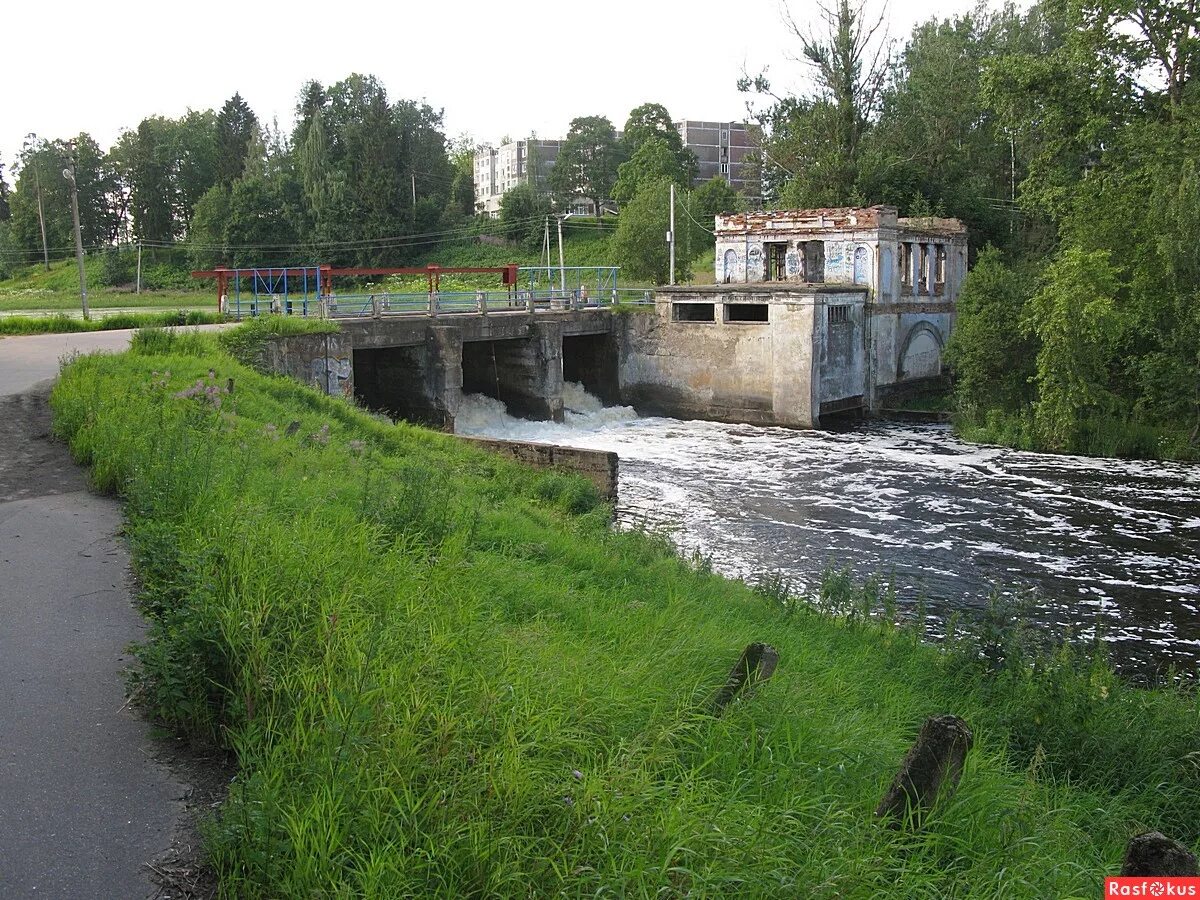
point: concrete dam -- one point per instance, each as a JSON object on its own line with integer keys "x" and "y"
{"x": 817, "y": 312}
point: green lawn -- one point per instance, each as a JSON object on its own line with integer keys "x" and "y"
{"x": 443, "y": 674}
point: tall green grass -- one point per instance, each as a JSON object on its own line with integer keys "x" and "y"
{"x": 59, "y": 323}
{"x": 444, "y": 674}
{"x": 1124, "y": 438}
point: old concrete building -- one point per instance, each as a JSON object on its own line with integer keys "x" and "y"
{"x": 815, "y": 312}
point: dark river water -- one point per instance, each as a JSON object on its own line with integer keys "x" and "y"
{"x": 1112, "y": 544}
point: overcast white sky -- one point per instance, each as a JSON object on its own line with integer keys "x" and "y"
{"x": 495, "y": 68}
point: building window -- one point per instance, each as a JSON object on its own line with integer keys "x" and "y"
{"x": 746, "y": 312}
{"x": 906, "y": 264}
{"x": 939, "y": 268}
{"x": 838, "y": 315}
{"x": 694, "y": 312}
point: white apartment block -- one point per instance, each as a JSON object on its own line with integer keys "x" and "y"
{"x": 500, "y": 169}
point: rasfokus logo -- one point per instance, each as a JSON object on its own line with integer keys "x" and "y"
{"x": 1151, "y": 886}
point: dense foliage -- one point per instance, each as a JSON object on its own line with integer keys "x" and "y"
{"x": 1066, "y": 136}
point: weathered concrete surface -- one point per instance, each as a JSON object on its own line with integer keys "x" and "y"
{"x": 85, "y": 804}
{"x": 598, "y": 466}
{"x": 931, "y": 769}
{"x": 322, "y": 361}
{"x": 410, "y": 331}
{"x": 779, "y": 371}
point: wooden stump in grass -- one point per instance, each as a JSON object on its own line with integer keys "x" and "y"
{"x": 930, "y": 769}
{"x": 756, "y": 664}
{"x": 1153, "y": 853}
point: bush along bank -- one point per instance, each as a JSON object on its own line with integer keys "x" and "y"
{"x": 444, "y": 674}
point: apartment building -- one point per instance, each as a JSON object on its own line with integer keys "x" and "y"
{"x": 499, "y": 169}
{"x": 722, "y": 149}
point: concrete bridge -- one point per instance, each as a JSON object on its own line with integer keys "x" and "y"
{"x": 418, "y": 367}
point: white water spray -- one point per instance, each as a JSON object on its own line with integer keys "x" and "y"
{"x": 483, "y": 416}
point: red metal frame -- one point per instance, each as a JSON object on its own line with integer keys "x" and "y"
{"x": 507, "y": 273}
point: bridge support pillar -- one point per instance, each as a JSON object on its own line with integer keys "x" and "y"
{"x": 444, "y": 375}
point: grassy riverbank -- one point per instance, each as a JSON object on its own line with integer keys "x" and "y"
{"x": 443, "y": 674}
{"x": 61, "y": 324}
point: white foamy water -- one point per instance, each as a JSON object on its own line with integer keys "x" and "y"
{"x": 1112, "y": 544}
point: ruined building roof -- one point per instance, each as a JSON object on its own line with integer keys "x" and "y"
{"x": 833, "y": 219}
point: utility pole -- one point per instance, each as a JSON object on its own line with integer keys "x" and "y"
{"x": 31, "y": 141}
{"x": 562, "y": 271}
{"x": 69, "y": 174}
{"x": 138, "y": 289}
{"x": 414, "y": 191}
{"x": 671, "y": 237}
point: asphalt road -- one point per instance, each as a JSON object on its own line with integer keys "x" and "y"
{"x": 84, "y": 803}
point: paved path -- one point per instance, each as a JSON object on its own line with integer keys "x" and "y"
{"x": 84, "y": 805}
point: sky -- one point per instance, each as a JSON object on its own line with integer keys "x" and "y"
{"x": 495, "y": 68}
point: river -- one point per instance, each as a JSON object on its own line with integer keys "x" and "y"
{"x": 1102, "y": 543}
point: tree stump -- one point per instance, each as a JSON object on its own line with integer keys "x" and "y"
{"x": 756, "y": 664}
{"x": 1153, "y": 853}
{"x": 931, "y": 768}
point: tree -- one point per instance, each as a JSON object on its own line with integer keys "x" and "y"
{"x": 639, "y": 243}
{"x": 5, "y": 212}
{"x": 936, "y": 143}
{"x": 461, "y": 152}
{"x": 652, "y": 161}
{"x": 42, "y": 165}
{"x": 697, "y": 216}
{"x": 1074, "y": 317}
{"x": 587, "y": 161}
{"x": 991, "y": 350}
{"x": 523, "y": 213}
{"x": 235, "y": 126}
{"x": 651, "y": 120}
{"x": 10, "y": 254}
{"x": 815, "y": 141}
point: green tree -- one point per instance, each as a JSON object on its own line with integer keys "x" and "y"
{"x": 10, "y": 254}
{"x": 1075, "y": 320}
{"x": 697, "y": 214}
{"x": 5, "y": 212}
{"x": 43, "y": 164}
{"x": 812, "y": 144}
{"x": 523, "y": 213}
{"x": 651, "y": 120}
{"x": 587, "y": 161}
{"x": 652, "y": 161}
{"x": 235, "y": 126}
{"x": 991, "y": 351}
{"x": 639, "y": 243}
{"x": 937, "y": 144}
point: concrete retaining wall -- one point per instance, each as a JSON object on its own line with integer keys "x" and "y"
{"x": 322, "y": 361}
{"x": 598, "y": 466}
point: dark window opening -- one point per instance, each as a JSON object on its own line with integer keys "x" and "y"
{"x": 814, "y": 261}
{"x": 694, "y": 312}
{"x": 776, "y": 253}
{"x": 838, "y": 315}
{"x": 922, "y": 268}
{"x": 906, "y": 263}
{"x": 746, "y": 312}
{"x": 939, "y": 268}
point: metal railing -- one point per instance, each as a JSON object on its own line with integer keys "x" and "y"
{"x": 378, "y": 304}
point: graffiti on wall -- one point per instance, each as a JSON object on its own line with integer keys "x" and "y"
{"x": 754, "y": 264}
{"x": 333, "y": 375}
